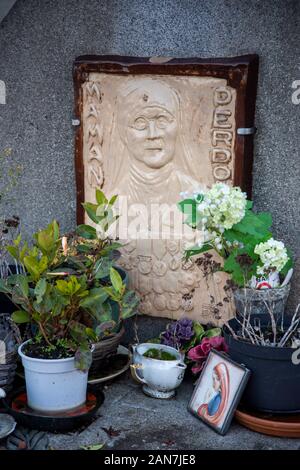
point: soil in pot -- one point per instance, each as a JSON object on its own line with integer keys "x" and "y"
{"x": 41, "y": 350}
{"x": 159, "y": 354}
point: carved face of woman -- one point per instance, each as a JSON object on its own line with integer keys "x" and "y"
{"x": 151, "y": 137}
{"x": 149, "y": 127}
{"x": 216, "y": 382}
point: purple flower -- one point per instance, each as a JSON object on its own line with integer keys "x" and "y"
{"x": 169, "y": 337}
{"x": 184, "y": 329}
{"x": 177, "y": 333}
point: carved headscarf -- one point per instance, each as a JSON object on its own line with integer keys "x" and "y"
{"x": 139, "y": 93}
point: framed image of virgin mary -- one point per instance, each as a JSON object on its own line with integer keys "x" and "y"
{"x": 218, "y": 391}
{"x": 150, "y": 129}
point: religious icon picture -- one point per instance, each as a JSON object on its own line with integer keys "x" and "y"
{"x": 218, "y": 391}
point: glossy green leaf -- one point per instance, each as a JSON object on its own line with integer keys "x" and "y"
{"x": 46, "y": 239}
{"x": 4, "y": 288}
{"x": 187, "y": 205}
{"x": 96, "y": 297}
{"x": 105, "y": 326}
{"x": 20, "y": 316}
{"x": 196, "y": 250}
{"x": 189, "y": 208}
{"x": 129, "y": 304}
{"x": 213, "y": 332}
{"x": 116, "y": 280}
{"x": 100, "y": 197}
{"x": 13, "y": 251}
{"x": 199, "y": 331}
{"x": 288, "y": 265}
{"x": 102, "y": 268}
{"x": 113, "y": 200}
{"x": 255, "y": 224}
{"x": 91, "y": 210}
{"x": 83, "y": 359}
{"x": 86, "y": 231}
{"x": 32, "y": 266}
{"x": 40, "y": 290}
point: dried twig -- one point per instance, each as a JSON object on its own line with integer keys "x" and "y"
{"x": 231, "y": 330}
{"x": 273, "y": 322}
{"x": 293, "y": 326}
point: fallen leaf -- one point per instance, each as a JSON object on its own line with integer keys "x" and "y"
{"x": 169, "y": 443}
{"x": 22, "y": 445}
{"x": 111, "y": 432}
{"x": 92, "y": 447}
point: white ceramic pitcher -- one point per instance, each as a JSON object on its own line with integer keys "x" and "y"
{"x": 160, "y": 378}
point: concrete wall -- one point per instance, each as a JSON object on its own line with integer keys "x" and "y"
{"x": 40, "y": 39}
{"x": 5, "y": 6}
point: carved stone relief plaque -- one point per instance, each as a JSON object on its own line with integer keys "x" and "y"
{"x": 148, "y": 132}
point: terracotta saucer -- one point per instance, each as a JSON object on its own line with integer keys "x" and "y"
{"x": 273, "y": 425}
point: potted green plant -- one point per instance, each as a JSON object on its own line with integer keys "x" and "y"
{"x": 9, "y": 224}
{"x": 259, "y": 336}
{"x": 91, "y": 251}
{"x": 259, "y": 266}
{"x": 9, "y": 228}
{"x": 57, "y": 358}
{"x": 74, "y": 298}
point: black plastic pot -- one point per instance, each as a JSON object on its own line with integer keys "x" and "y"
{"x": 274, "y": 384}
{"x": 16, "y": 405}
{"x": 6, "y": 306}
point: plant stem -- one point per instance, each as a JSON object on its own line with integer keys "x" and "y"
{"x": 44, "y": 333}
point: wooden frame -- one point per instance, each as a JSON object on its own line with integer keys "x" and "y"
{"x": 240, "y": 72}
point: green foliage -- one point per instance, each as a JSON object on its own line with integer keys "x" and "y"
{"x": 196, "y": 250}
{"x": 238, "y": 243}
{"x": 47, "y": 240}
{"x": 189, "y": 208}
{"x": 102, "y": 268}
{"x": 86, "y": 231}
{"x": 210, "y": 333}
{"x": 251, "y": 230}
{"x": 159, "y": 354}
{"x": 257, "y": 225}
{"x": 100, "y": 213}
{"x": 199, "y": 333}
{"x": 20, "y": 316}
{"x": 52, "y": 304}
{"x": 72, "y": 293}
{"x": 116, "y": 281}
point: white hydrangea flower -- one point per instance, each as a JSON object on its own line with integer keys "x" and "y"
{"x": 223, "y": 206}
{"x": 273, "y": 255}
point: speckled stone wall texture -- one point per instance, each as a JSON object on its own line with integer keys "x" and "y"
{"x": 40, "y": 39}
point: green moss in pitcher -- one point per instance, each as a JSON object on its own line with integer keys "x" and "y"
{"x": 159, "y": 354}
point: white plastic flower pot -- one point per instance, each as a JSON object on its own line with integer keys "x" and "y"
{"x": 53, "y": 385}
